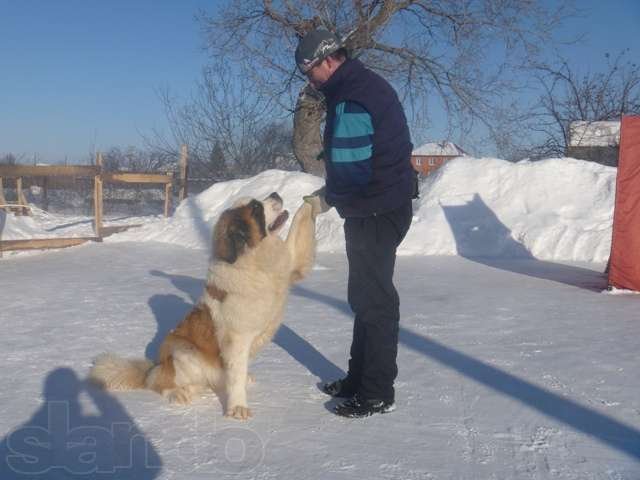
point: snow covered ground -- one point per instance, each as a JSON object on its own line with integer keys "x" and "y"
{"x": 513, "y": 362}
{"x": 510, "y": 369}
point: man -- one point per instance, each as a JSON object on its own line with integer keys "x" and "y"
{"x": 371, "y": 182}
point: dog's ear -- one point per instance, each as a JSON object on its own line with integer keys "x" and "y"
{"x": 230, "y": 237}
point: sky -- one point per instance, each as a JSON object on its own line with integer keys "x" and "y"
{"x": 79, "y": 76}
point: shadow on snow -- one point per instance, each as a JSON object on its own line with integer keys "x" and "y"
{"x": 61, "y": 441}
{"x": 481, "y": 237}
{"x": 590, "y": 422}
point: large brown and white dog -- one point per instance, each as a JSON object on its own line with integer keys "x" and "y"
{"x": 250, "y": 272}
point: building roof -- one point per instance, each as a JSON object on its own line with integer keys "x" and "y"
{"x": 594, "y": 134}
{"x": 439, "y": 148}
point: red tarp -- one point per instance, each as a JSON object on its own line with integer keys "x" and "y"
{"x": 624, "y": 263}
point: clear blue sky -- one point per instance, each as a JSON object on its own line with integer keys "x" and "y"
{"x": 79, "y": 75}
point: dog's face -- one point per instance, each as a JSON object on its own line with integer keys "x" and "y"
{"x": 246, "y": 224}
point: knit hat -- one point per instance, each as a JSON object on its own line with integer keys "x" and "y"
{"x": 314, "y": 47}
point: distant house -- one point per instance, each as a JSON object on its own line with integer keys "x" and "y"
{"x": 430, "y": 156}
{"x": 594, "y": 141}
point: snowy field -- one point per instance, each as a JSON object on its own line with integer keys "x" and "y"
{"x": 514, "y": 364}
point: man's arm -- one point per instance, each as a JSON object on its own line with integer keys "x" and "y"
{"x": 351, "y": 148}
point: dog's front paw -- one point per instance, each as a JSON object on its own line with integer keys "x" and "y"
{"x": 239, "y": 412}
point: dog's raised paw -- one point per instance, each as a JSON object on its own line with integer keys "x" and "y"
{"x": 239, "y": 412}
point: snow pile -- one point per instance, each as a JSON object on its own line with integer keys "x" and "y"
{"x": 192, "y": 223}
{"x": 556, "y": 209}
{"x": 13, "y": 227}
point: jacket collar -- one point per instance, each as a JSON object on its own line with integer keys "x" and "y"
{"x": 332, "y": 86}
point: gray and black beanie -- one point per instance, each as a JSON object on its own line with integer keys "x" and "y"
{"x": 314, "y": 47}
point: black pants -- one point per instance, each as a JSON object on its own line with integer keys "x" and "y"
{"x": 371, "y": 252}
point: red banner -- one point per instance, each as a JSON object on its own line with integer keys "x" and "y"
{"x": 624, "y": 263}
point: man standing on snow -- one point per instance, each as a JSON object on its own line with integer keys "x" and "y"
{"x": 371, "y": 182}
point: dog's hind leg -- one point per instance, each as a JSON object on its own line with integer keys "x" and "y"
{"x": 168, "y": 380}
{"x": 235, "y": 352}
{"x": 162, "y": 377}
{"x": 181, "y": 395}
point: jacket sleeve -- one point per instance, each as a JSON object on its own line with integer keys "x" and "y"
{"x": 351, "y": 149}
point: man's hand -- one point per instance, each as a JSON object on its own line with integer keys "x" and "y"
{"x": 317, "y": 202}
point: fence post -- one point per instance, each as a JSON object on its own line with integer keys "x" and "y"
{"x": 168, "y": 192}
{"x": 3, "y": 214}
{"x": 184, "y": 158}
{"x": 22, "y": 200}
{"x": 97, "y": 197}
{"x": 45, "y": 193}
{"x": 3, "y": 201}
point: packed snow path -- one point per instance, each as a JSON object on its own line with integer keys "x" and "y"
{"x": 509, "y": 369}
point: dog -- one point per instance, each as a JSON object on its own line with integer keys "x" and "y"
{"x": 250, "y": 272}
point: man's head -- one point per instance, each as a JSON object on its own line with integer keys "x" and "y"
{"x": 319, "y": 54}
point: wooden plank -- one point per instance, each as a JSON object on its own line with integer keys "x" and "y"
{"x": 22, "y": 200}
{"x": 167, "y": 198}
{"x": 97, "y": 205}
{"x": 19, "y": 190}
{"x": 3, "y": 200}
{"x": 15, "y": 171}
{"x": 184, "y": 159}
{"x": 43, "y": 243}
{"x": 101, "y": 203}
{"x": 45, "y": 194}
{"x": 98, "y": 192}
{"x": 110, "y": 177}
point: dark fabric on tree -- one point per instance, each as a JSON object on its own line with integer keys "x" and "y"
{"x": 371, "y": 251}
{"x": 392, "y": 180}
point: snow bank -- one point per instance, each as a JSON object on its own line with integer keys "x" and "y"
{"x": 13, "y": 227}
{"x": 193, "y": 220}
{"x": 557, "y": 209}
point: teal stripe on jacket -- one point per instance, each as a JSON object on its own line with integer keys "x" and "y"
{"x": 351, "y": 124}
{"x": 352, "y": 134}
{"x": 345, "y": 155}
{"x": 351, "y": 146}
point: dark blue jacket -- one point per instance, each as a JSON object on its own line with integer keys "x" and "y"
{"x": 359, "y": 184}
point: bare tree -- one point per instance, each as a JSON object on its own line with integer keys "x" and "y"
{"x": 8, "y": 159}
{"x": 231, "y": 129}
{"x": 136, "y": 160}
{"x": 569, "y": 95}
{"x": 458, "y": 53}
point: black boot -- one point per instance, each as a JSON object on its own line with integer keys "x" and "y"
{"x": 339, "y": 388}
{"x": 358, "y": 407}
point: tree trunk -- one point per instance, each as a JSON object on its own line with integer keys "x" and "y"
{"x": 307, "y": 138}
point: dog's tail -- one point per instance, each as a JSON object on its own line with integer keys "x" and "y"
{"x": 115, "y": 373}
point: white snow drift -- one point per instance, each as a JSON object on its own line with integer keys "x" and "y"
{"x": 555, "y": 209}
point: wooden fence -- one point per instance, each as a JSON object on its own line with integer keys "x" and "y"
{"x": 100, "y": 177}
